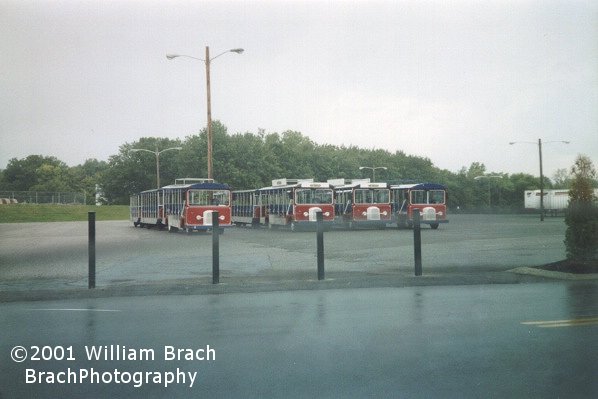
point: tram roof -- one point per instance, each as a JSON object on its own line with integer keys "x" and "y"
{"x": 198, "y": 186}
{"x": 362, "y": 184}
{"x": 304, "y": 184}
{"x": 420, "y": 186}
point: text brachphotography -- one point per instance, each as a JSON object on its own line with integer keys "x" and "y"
{"x": 114, "y": 376}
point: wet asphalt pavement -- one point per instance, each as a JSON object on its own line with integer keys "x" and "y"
{"x": 469, "y": 327}
{"x": 491, "y": 341}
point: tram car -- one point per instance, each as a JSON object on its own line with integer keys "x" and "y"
{"x": 246, "y": 208}
{"x": 291, "y": 203}
{"x": 360, "y": 203}
{"x": 186, "y": 205}
{"x": 429, "y": 198}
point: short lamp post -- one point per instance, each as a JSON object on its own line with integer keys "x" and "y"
{"x": 207, "y": 61}
{"x": 541, "y": 173}
{"x": 373, "y": 169}
{"x": 157, "y": 154}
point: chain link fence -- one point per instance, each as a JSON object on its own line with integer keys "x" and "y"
{"x": 41, "y": 197}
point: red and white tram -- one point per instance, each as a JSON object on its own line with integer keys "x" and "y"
{"x": 292, "y": 203}
{"x": 363, "y": 204}
{"x": 429, "y": 198}
{"x": 186, "y": 205}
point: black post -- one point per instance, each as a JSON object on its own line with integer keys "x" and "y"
{"x": 417, "y": 243}
{"x": 215, "y": 248}
{"x": 320, "y": 245}
{"x": 91, "y": 248}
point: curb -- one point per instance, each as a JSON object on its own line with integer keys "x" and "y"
{"x": 531, "y": 271}
{"x": 268, "y": 283}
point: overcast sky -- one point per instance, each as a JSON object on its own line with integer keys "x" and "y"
{"x": 454, "y": 81}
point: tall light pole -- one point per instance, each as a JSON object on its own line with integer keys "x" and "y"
{"x": 541, "y": 173}
{"x": 373, "y": 169}
{"x": 157, "y": 153}
{"x": 207, "y": 62}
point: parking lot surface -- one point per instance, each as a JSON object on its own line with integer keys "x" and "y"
{"x": 470, "y": 249}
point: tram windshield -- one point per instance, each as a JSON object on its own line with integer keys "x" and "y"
{"x": 209, "y": 197}
{"x": 368, "y": 196}
{"x": 436, "y": 196}
{"x": 313, "y": 196}
{"x": 427, "y": 197}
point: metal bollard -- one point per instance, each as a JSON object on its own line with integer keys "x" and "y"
{"x": 91, "y": 249}
{"x": 417, "y": 243}
{"x": 320, "y": 244}
{"x": 215, "y": 248}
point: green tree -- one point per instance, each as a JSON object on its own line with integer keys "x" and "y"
{"x": 561, "y": 178}
{"x": 36, "y": 172}
{"x": 249, "y": 165}
{"x": 517, "y": 184}
{"x": 131, "y": 172}
{"x": 581, "y": 237}
{"x": 87, "y": 176}
{"x": 193, "y": 158}
{"x": 52, "y": 177}
{"x": 249, "y": 160}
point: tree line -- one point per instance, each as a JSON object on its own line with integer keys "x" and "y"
{"x": 252, "y": 160}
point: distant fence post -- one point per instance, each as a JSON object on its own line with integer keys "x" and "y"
{"x": 320, "y": 244}
{"x": 215, "y": 248}
{"x": 417, "y": 243}
{"x": 91, "y": 227}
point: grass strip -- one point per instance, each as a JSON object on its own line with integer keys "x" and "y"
{"x": 24, "y": 213}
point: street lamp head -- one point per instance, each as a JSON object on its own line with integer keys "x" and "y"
{"x": 237, "y": 50}
{"x": 171, "y": 56}
{"x": 511, "y": 142}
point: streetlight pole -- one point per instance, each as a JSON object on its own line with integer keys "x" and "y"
{"x": 209, "y": 106}
{"x": 541, "y": 181}
{"x": 541, "y": 173}
{"x": 157, "y": 154}
{"x": 373, "y": 169}
{"x": 207, "y": 61}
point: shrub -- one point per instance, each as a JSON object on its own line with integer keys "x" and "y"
{"x": 581, "y": 237}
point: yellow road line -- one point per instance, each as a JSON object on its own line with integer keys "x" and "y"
{"x": 563, "y": 323}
